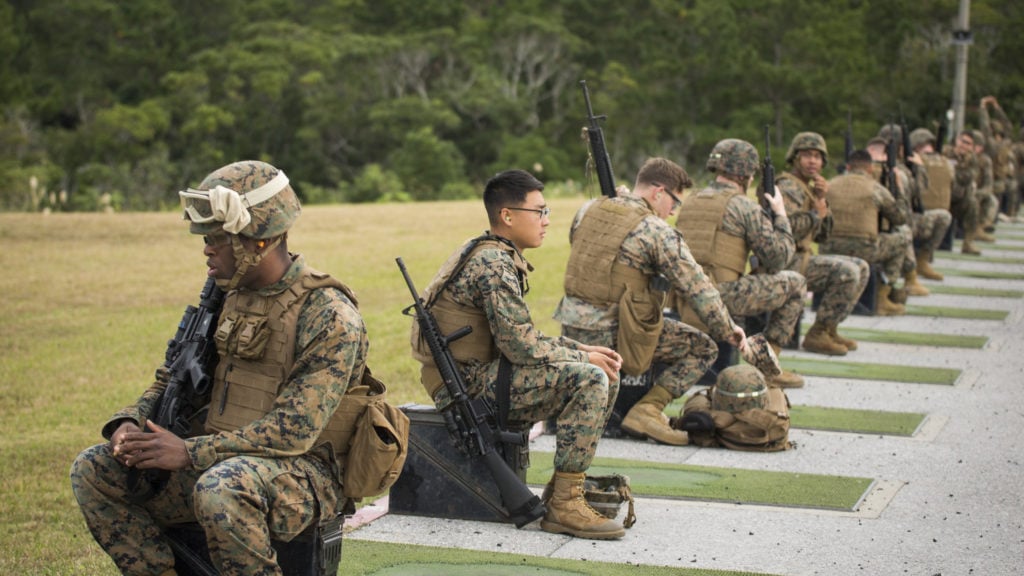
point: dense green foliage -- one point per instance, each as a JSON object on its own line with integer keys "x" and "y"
{"x": 120, "y": 104}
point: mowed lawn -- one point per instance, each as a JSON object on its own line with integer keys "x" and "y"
{"x": 89, "y": 301}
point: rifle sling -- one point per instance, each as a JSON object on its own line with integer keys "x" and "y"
{"x": 503, "y": 392}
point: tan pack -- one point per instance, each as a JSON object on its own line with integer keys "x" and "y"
{"x": 379, "y": 442}
{"x": 753, "y": 430}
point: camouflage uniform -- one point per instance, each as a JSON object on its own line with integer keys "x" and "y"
{"x": 267, "y": 480}
{"x": 839, "y": 280}
{"x": 963, "y": 204}
{"x": 773, "y": 289}
{"x": 889, "y": 249}
{"x": 985, "y": 192}
{"x": 1000, "y": 148}
{"x": 551, "y": 377}
{"x": 655, "y": 248}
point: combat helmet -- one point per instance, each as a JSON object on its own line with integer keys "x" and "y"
{"x": 739, "y": 387}
{"x": 887, "y": 131}
{"x": 250, "y": 198}
{"x": 734, "y": 157}
{"x": 979, "y": 138}
{"x": 920, "y": 137}
{"x": 807, "y": 141}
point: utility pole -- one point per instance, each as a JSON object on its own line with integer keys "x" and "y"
{"x": 962, "y": 39}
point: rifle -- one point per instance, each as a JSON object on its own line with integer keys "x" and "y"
{"x": 598, "y": 152}
{"x": 847, "y": 142}
{"x": 470, "y": 421}
{"x": 889, "y": 175}
{"x": 915, "y": 200}
{"x": 767, "y": 187}
{"x": 190, "y": 358}
{"x": 940, "y": 137}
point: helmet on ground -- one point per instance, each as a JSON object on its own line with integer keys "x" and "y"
{"x": 920, "y": 137}
{"x": 733, "y": 157}
{"x": 807, "y": 141}
{"x": 250, "y": 198}
{"x": 738, "y": 388}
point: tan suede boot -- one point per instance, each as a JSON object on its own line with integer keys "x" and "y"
{"x": 886, "y": 307}
{"x": 914, "y": 288}
{"x": 569, "y": 513}
{"x": 968, "y": 246}
{"x": 819, "y": 339}
{"x": 851, "y": 345}
{"x": 786, "y": 379}
{"x": 924, "y": 266}
{"x": 647, "y": 419}
{"x": 984, "y": 236}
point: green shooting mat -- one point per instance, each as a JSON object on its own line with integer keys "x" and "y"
{"x": 764, "y": 487}
{"x": 911, "y": 338}
{"x": 865, "y": 371}
{"x": 372, "y": 558}
{"x": 974, "y": 291}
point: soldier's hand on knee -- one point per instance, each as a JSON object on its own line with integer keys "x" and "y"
{"x": 738, "y": 338}
{"x": 608, "y": 364}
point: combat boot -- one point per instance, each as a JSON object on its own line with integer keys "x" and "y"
{"x": 647, "y": 419}
{"x": 819, "y": 339}
{"x": 914, "y": 288}
{"x": 984, "y": 236}
{"x": 968, "y": 245}
{"x": 886, "y": 307}
{"x": 786, "y": 379}
{"x": 898, "y": 295}
{"x": 924, "y": 266}
{"x": 569, "y": 512}
{"x": 851, "y": 345}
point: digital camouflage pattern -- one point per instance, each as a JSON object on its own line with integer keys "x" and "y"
{"x": 776, "y": 290}
{"x": 738, "y": 388}
{"x": 963, "y": 198}
{"x": 551, "y": 377}
{"x": 807, "y": 141}
{"x": 656, "y": 248}
{"x": 246, "y": 486}
{"x": 889, "y": 249}
{"x": 921, "y": 136}
{"x": 930, "y": 228}
{"x": 270, "y": 218}
{"x": 839, "y": 279}
{"x": 733, "y": 157}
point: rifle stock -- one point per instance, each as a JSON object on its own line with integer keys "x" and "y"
{"x": 598, "y": 151}
{"x": 470, "y": 421}
{"x": 189, "y": 359}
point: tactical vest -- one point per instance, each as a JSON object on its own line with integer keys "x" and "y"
{"x": 478, "y": 345}
{"x": 853, "y": 207}
{"x": 722, "y": 255}
{"x": 256, "y": 342}
{"x": 592, "y": 273}
{"x": 803, "y": 245}
{"x": 940, "y": 182}
{"x": 1002, "y": 161}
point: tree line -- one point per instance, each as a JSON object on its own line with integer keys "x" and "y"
{"x": 117, "y": 105}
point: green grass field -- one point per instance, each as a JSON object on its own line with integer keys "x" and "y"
{"x": 91, "y": 299}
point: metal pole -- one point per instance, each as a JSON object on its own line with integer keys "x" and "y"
{"x": 962, "y": 40}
